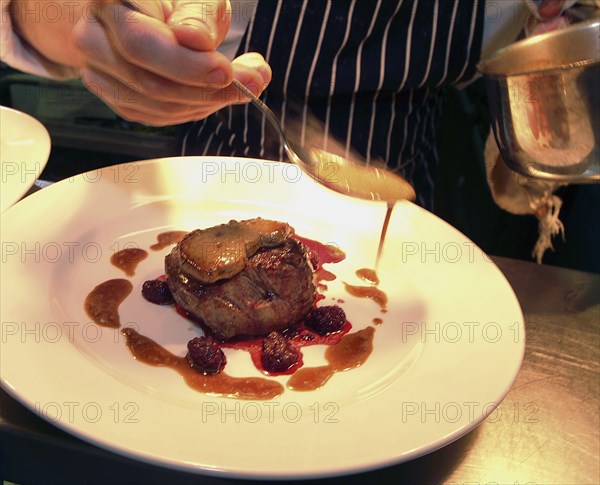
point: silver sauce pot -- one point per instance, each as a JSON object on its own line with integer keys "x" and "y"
{"x": 544, "y": 96}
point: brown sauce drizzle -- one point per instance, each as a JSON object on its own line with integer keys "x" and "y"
{"x": 352, "y": 351}
{"x": 384, "y": 228}
{"x": 148, "y": 351}
{"x": 348, "y": 352}
{"x": 371, "y": 292}
{"x": 165, "y": 239}
{"x": 368, "y": 275}
{"x": 102, "y": 304}
{"x": 128, "y": 259}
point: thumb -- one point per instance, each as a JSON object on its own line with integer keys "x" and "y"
{"x": 200, "y": 24}
{"x": 550, "y": 9}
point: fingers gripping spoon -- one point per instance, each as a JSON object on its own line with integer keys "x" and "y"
{"x": 334, "y": 171}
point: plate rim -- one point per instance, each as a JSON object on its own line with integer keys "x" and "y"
{"x": 160, "y": 461}
{"x": 39, "y": 164}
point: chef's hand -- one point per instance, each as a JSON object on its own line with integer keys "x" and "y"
{"x": 159, "y": 70}
{"x": 165, "y": 71}
{"x": 548, "y": 16}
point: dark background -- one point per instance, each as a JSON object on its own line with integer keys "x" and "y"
{"x": 87, "y": 135}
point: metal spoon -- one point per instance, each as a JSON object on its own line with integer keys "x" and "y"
{"x": 334, "y": 171}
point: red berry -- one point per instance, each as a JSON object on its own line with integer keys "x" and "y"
{"x": 326, "y": 319}
{"x": 157, "y": 291}
{"x": 277, "y": 354}
{"x": 205, "y": 355}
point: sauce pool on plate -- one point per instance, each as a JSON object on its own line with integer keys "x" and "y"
{"x": 148, "y": 351}
{"x": 352, "y": 351}
{"x": 371, "y": 292}
{"x": 368, "y": 275}
{"x": 165, "y": 239}
{"x": 127, "y": 259}
{"x": 102, "y": 303}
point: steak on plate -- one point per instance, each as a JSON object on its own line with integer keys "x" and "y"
{"x": 261, "y": 281}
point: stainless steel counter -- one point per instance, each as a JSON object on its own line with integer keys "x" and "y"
{"x": 546, "y": 431}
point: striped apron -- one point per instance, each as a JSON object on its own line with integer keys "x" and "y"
{"x": 367, "y": 75}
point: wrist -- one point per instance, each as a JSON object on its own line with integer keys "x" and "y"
{"x": 44, "y": 28}
{"x": 17, "y": 49}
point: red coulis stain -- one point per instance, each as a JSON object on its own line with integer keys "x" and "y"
{"x": 297, "y": 335}
{"x": 321, "y": 254}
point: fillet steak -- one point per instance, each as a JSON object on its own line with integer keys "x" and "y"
{"x": 268, "y": 287}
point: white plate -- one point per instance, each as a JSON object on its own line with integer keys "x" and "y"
{"x": 447, "y": 353}
{"x": 24, "y": 151}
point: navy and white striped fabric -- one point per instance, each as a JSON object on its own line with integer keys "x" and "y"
{"x": 371, "y": 72}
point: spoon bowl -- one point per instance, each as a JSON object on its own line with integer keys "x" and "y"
{"x": 338, "y": 173}
{"x": 368, "y": 182}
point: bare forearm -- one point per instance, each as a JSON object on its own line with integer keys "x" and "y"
{"x": 47, "y": 26}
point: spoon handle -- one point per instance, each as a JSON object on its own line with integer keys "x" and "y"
{"x": 136, "y": 6}
{"x": 270, "y": 116}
